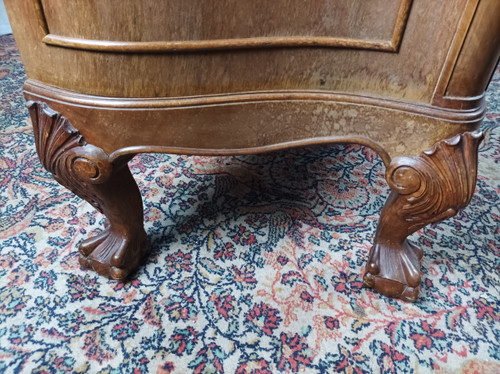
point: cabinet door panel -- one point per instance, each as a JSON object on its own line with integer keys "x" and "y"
{"x": 195, "y": 24}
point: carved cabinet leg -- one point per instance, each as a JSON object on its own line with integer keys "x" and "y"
{"x": 425, "y": 189}
{"x": 109, "y": 187}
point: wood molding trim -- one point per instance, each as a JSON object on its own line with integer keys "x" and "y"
{"x": 391, "y": 45}
{"x": 472, "y": 111}
{"x": 453, "y": 54}
{"x": 445, "y": 121}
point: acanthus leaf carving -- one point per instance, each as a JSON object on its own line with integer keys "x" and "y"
{"x": 64, "y": 152}
{"x": 438, "y": 183}
{"x": 86, "y": 170}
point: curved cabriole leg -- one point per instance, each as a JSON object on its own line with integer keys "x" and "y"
{"x": 425, "y": 189}
{"x": 86, "y": 170}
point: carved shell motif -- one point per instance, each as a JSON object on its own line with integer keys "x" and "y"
{"x": 439, "y": 182}
{"x": 64, "y": 152}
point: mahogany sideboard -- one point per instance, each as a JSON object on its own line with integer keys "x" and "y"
{"x": 110, "y": 79}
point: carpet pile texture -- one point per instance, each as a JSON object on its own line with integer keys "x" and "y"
{"x": 256, "y": 265}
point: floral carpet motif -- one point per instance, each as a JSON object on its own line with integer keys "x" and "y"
{"x": 256, "y": 266}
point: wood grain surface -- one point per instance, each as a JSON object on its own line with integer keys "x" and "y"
{"x": 427, "y": 38}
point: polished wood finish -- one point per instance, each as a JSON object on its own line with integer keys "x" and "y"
{"x": 399, "y": 76}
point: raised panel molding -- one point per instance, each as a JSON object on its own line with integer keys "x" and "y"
{"x": 163, "y": 46}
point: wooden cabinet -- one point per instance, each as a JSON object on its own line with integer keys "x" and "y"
{"x": 185, "y": 76}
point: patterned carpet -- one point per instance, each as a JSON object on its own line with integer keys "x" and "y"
{"x": 256, "y": 266}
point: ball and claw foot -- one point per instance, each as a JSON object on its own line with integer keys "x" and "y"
{"x": 114, "y": 256}
{"x": 395, "y": 273}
